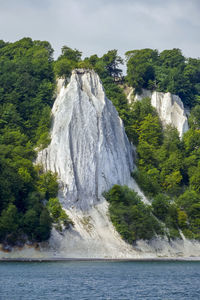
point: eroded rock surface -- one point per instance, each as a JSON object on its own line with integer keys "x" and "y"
{"x": 89, "y": 149}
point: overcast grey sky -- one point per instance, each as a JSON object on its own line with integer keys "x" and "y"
{"x": 96, "y": 26}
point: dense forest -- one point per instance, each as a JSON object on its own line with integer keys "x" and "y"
{"x": 168, "y": 169}
{"x": 28, "y": 206}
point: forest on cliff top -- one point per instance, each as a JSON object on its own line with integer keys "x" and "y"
{"x": 168, "y": 168}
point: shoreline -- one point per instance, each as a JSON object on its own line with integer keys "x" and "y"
{"x": 156, "y": 259}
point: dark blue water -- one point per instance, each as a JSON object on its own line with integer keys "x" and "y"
{"x": 99, "y": 280}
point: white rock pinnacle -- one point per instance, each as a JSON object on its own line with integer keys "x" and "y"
{"x": 89, "y": 148}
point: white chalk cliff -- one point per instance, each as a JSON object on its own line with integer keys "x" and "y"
{"x": 90, "y": 152}
{"x": 169, "y": 107}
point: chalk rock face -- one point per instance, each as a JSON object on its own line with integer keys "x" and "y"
{"x": 90, "y": 152}
{"x": 89, "y": 149}
{"x": 169, "y": 107}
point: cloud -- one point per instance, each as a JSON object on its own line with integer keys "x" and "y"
{"x": 96, "y": 26}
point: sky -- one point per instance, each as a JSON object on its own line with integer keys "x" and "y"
{"x": 96, "y": 26}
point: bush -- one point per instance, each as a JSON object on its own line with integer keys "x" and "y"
{"x": 130, "y": 216}
{"x": 58, "y": 214}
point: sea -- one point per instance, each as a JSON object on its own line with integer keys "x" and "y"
{"x": 100, "y": 280}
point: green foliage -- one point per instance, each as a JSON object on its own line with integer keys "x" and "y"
{"x": 58, "y": 214}
{"x": 150, "y": 130}
{"x": 84, "y": 65}
{"x": 28, "y": 214}
{"x": 172, "y": 181}
{"x": 168, "y": 171}
{"x": 45, "y": 224}
{"x": 67, "y": 61}
{"x": 194, "y": 119}
{"x": 9, "y": 222}
{"x": 63, "y": 67}
{"x": 134, "y": 220}
{"x": 112, "y": 62}
{"x": 195, "y": 178}
{"x": 26, "y": 95}
{"x": 172, "y": 58}
{"x": 74, "y": 55}
{"x": 167, "y": 211}
{"x": 140, "y": 68}
{"x": 189, "y": 203}
{"x": 30, "y": 222}
{"x": 37, "y": 223}
{"x": 130, "y": 216}
{"x": 107, "y": 66}
{"x": 47, "y": 185}
{"x": 148, "y": 181}
{"x": 160, "y": 157}
{"x": 182, "y": 219}
{"x": 160, "y": 205}
{"x": 135, "y": 115}
{"x": 27, "y": 79}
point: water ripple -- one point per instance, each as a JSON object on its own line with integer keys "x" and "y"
{"x": 99, "y": 280}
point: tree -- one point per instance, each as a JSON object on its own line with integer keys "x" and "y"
{"x": 147, "y": 155}
{"x": 44, "y": 229}
{"x": 191, "y": 141}
{"x": 195, "y": 178}
{"x": 31, "y": 223}
{"x": 192, "y": 70}
{"x": 67, "y": 61}
{"x": 112, "y": 62}
{"x": 172, "y": 182}
{"x": 48, "y": 185}
{"x": 63, "y": 67}
{"x": 8, "y": 221}
{"x": 2, "y": 44}
{"x": 135, "y": 116}
{"x": 188, "y": 198}
{"x": 140, "y": 68}
{"x": 171, "y": 140}
{"x": 182, "y": 219}
{"x": 58, "y": 215}
{"x": 171, "y": 58}
{"x": 71, "y": 54}
{"x": 131, "y": 218}
{"x": 150, "y": 130}
{"x": 194, "y": 119}
{"x": 160, "y": 205}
